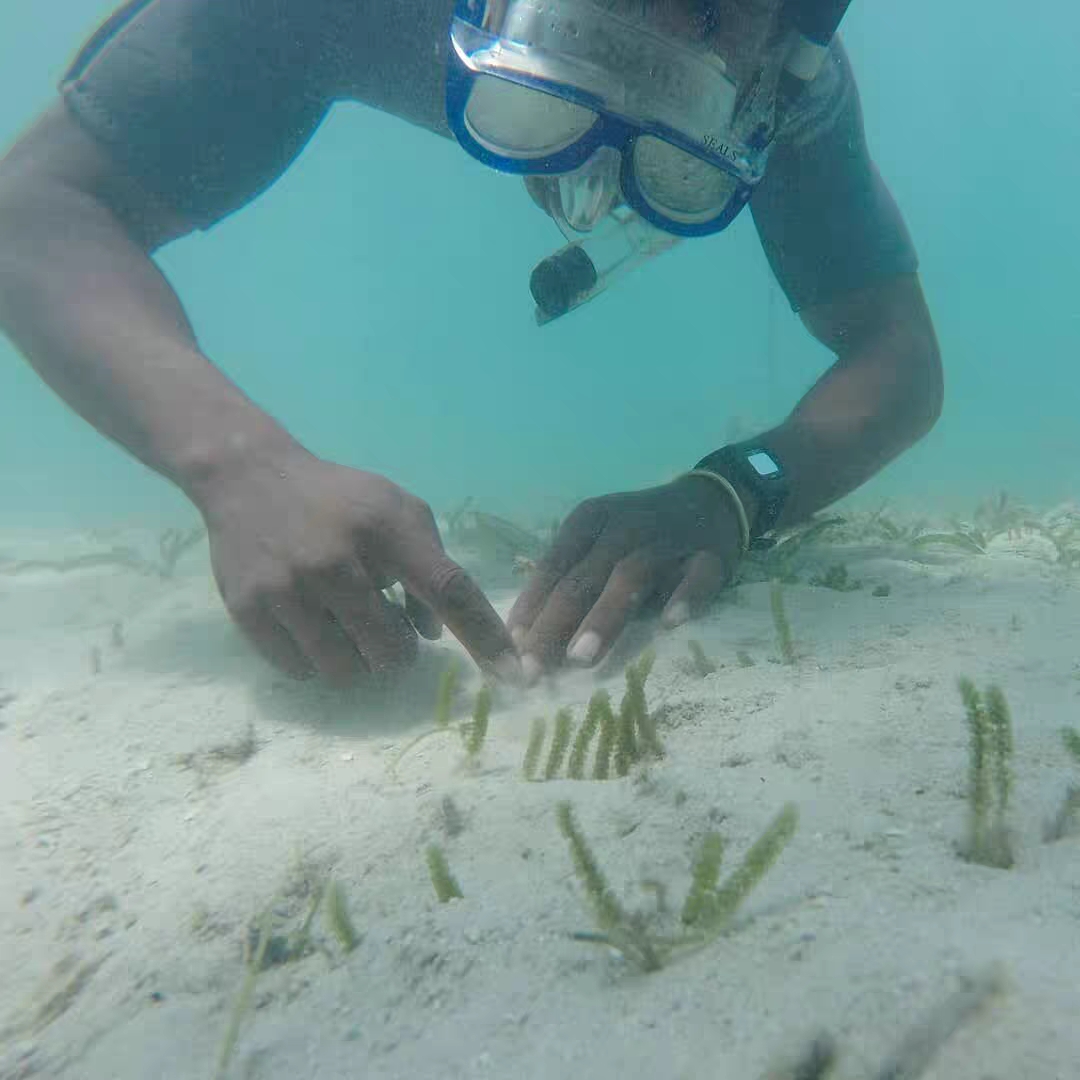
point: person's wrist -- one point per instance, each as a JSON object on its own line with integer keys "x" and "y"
{"x": 210, "y": 465}
{"x": 728, "y": 497}
{"x": 750, "y": 503}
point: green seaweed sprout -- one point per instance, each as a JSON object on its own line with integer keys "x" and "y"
{"x": 560, "y": 743}
{"x": 781, "y": 623}
{"x": 622, "y": 740}
{"x": 709, "y": 909}
{"x": 1067, "y": 820}
{"x": 337, "y": 915}
{"x": 605, "y": 744}
{"x": 599, "y": 706}
{"x": 264, "y": 949}
{"x": 445, "y": 884}
{"x": 990, "y": 776}
{"x": 444, "y": 698}
{"x": 473, "y": 732}
{"x": 705, "y": 874}
{"x": 535, "y": 747}
{"x": 242, "y": 1005}
{"x": 325, "y": 895}
{"x": 635, "y": 720}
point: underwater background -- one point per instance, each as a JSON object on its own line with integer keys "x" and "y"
{"x": 376, "y": 299}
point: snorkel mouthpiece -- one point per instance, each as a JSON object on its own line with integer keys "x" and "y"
{"x": 562, "y": 281}
{"x": 586, "y": 266}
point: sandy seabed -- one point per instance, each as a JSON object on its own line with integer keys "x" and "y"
{"x": 164, "y": 795}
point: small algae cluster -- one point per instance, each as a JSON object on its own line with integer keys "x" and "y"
{"x": 606, "y": 742}
{"x": 808, "y": 552}
{"x": 990, "y": 775}
{"x": 442, "y": 880}
{"x": 622, "y": 739}
{"x": 709, "y": 906}
{"x": 266, "y": 947}
{"x": 989, "y": 838}
{"x": 472, "y": 731}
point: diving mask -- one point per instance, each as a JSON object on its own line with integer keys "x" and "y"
{"x": 606, "y": 110}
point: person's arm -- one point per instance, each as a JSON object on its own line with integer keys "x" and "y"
{"x": 841, "y": 252}
{"x": 837, "y": 244}
{"x": 172, "y": 117}
{"x": 880, "y": 397}
{"x": 82, "y": 299}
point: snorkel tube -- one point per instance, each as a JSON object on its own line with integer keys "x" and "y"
{"x": 623, "y": 241}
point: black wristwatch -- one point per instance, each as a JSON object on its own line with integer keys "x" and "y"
{"x": 758, "y": 470}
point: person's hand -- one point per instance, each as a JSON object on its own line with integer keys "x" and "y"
{"x": 676, "y": 544}
{"x": 302, "y": 549}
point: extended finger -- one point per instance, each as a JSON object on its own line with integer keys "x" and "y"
{"x": 630, "y": 583}
{"x": 706, "y": 575}
{"x": 431, "y": 576}
{"x": 570, "y": 547}
{"x": 567, "y": 604}
{"x": 530, "y": 602}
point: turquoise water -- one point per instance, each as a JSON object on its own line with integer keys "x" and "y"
{"x": 376, "y": 299}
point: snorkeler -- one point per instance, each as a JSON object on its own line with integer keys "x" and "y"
{"x": 639, "y": 123}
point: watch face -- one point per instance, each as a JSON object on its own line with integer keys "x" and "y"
{"x": 763, "y": 464}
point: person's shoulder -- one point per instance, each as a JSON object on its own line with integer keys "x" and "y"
{"x": 397, "y": 54}
{"x": 823, "y": 103}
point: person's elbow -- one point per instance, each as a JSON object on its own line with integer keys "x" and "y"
{"x": 905, "y": 341}
{"x": 924, "y": 380}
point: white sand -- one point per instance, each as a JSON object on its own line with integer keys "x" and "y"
{"x": 130, "y": 873}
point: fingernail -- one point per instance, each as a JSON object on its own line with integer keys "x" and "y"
{"x": 508, "y": 669}
{"x": 530, "y": 668}
{"x": 585, "y": 648}
{"x": 677, "y": 614}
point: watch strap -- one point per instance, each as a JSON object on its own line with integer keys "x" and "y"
{"x": 769, "y": 491}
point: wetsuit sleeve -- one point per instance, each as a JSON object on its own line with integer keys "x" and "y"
{"x": 827, "y": 222}
{"x": 205, "y": 102}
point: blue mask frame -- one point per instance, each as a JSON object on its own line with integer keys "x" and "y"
{"x": 607, "y": 130}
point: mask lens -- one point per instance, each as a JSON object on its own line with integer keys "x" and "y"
{"x": 518, "y": 122}
{"x": 679, "y": 185}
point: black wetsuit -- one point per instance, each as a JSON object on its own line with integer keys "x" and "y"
{"x": 207, "y": 102}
